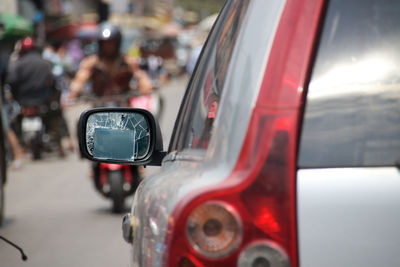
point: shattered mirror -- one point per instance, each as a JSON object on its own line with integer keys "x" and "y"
{"x": 117, "y": 136}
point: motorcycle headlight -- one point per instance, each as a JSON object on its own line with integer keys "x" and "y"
{"x": 214, "y": 229}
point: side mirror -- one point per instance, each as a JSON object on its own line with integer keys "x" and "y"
{"x": 120, "y": 135}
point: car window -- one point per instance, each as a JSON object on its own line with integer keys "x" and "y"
{"x": 352, "y": 115}
{"x": 201, "y": 104}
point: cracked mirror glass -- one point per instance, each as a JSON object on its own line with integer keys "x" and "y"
{"x": 117, "y": 136}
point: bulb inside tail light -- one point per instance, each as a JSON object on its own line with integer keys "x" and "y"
{"x": 263, "y": 254}
{"x": 214, "y": 229}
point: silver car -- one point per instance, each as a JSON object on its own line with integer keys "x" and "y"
{"x": 286, "y": 149}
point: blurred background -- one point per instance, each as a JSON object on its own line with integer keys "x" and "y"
{"x": 168, "y": 26}
{"x": 51, "y": 207}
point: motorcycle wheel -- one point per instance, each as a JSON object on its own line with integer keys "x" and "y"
{"x": 36, "y": 148}
{"x": 116, "y": 181}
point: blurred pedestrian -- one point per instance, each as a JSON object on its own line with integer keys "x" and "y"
{"x": 193, "y": 57}
{"x": 55, "y": 52}
{"x": 6, "y": 117}
{"x": 197, "y": 46}
{"x": 17, "y": 150}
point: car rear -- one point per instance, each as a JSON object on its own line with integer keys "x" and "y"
{"x": 261, "y": 195}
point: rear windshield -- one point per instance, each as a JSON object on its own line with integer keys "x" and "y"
{"x": 352, "y": 115}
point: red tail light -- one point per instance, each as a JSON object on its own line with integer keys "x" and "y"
{"x": 260, "y": 193}
{"x": 30, "y": 111}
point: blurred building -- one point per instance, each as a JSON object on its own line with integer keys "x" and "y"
{"x": 161, "y": 9}
{"x": 202, "y": 8}
{"x": 9, "y": 6}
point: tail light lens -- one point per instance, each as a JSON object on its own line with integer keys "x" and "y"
{"x": 30, "y": 111}
{"x": 257, "y": 202}
{"x": 214, "y": 229}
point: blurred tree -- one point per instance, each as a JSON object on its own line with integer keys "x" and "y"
{"x": 202, "y": 7}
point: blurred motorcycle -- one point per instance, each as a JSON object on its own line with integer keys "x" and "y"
{"x": 40, "y": 129}
{"x": 33, "y": 129}
{"x": 153, "y": 101}
{"x": 117, "y": 182}
{"x": 114, "y": 181}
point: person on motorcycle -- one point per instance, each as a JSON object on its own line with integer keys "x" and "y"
{"x": 32, "y": 85}
{"x": 110, "y": 74}
{"x": 30, "y": 76}
{"x": 109, "y": 71}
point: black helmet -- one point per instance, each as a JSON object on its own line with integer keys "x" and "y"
{"x": 109, "y": 31}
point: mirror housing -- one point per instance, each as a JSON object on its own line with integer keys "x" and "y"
{"x": 106, "y": 132}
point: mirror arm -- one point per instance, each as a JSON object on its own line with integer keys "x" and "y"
{"x": 156, "y": 158}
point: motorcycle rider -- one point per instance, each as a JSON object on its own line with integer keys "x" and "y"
{"x": 30, "y": 76}
{"x": 110, "y": 74}
{"x": 32, "y": 84}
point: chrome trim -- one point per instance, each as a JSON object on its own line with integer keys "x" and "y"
{"x": 128, "y": 228}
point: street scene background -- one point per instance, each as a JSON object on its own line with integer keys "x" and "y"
{"x": 51, "y": 207}
{"x": 54, "y": 213}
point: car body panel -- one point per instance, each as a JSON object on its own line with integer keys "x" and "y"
{"x": 192, "y": 169}
{"x": 348, "y": 179}
{"x": 349, "y": 217}
{"x": 351, "y": 116}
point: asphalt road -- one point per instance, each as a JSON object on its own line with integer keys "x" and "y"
{"x": 56, "y": 216}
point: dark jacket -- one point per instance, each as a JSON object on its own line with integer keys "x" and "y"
{"x": 31, "y": 80}
{"x": 108, "y": 81}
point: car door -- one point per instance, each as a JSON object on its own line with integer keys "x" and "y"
{"x": 348, "y": 177}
